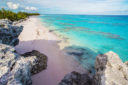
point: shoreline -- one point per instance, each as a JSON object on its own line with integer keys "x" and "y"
{"x": 17, "y": 69}
{"x": 63, "y": 41}
{"x": 36, "y": 37}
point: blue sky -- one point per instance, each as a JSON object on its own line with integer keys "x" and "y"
{"x": 105, "y": 7}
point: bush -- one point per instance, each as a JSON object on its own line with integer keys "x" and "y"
{"x": 7, "y": 14}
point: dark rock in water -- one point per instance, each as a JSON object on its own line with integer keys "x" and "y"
{"x": 41, "y": 61}
{"x": 76, "y": 52}
{"x": 85, "y": 56}
{"x": 14, "y": 69}
{"x": 9, "y": 34}
{"x": 79, "y": 51}
{"x": 50, "y": 30}
{"x": 110, "y": 70}
{"x": 76, "y": 78}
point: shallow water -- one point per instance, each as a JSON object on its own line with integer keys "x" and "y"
{"x": 98, "y": 33}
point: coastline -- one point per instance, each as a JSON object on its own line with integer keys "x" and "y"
{"x": 18, "y": 68}
{"x": 36, "y": 37}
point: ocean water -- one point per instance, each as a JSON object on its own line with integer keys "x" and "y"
{"x": 91, "y": 35}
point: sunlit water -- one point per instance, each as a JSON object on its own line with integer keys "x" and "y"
{"x": 91, "y": 35}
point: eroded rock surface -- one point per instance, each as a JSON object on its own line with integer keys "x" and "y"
{"x": 14, "y": 69}
{"x": 9, "y": 33}
{"x": 41, "y": 61}
{"x": 76, "y": 78}
{"x": 5, "y": 22}
{"x": 110, "y": 70}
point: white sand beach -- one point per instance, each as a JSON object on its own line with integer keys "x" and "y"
{"x": 36, "y": 37}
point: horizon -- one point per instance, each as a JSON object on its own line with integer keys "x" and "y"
{"x": 88, "y": 14}
{"x": 74, "y": 7}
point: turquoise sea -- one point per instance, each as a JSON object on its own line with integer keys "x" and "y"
{"x": 91, "y": 34}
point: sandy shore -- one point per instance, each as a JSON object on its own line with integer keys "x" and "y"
{"x": 36, "y": 37}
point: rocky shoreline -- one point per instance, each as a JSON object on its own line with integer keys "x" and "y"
{"x": 109, "y": 70}
{"x": 17, "y": 69}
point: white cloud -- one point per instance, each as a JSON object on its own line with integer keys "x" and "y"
{"x": 31, "y": 8}
{"x": 77, "y": 6}
{"x": 84, "y": 6}
{"x": 12, "y": 5}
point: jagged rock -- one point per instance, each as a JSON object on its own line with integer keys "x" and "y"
{"x": 76, "y": 78}
{"x": 19, "y": 21}
{"x": 126, "y": 63}
{"x": 9, "y": 34}
{"x": 5, "y": 22}
{"x": 41, "y": 61}
{"x": 110, "y": 70}
{"x": 14, "y": 69}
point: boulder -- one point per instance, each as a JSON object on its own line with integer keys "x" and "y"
{"x": 14, "y": 69}
{"x": 9, "y": 33}
{"x": 110, "y": 70}
{"x": 75, "y": 78}
{"x": 41, "y": 61}
{"x": 126, "y": 63}
{"x": 19, "y": 21}
{"x": 5, "y": 22}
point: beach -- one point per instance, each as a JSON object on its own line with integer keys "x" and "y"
{"x": 37, "y": 37}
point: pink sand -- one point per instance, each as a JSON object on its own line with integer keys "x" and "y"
{"x": 36, "y": 37}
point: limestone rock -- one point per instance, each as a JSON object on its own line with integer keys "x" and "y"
{"x": 5, "y": 22}
{"x": 41, "y": 61}
{"x": 126, "y": 63}
{"x": 19, "y": 21}
{"x": 14, "y": 69}
{"x": 110, "y": 70}
{"x": 76, "y": 78}
{"x": 9, "y": 33}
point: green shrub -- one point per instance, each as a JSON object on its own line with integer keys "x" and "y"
{"x": 6, "y": 14}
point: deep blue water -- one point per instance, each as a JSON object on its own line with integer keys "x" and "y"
{"x": 97, "y": 33}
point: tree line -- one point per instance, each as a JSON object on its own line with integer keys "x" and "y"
{"x": 7, "y": 14}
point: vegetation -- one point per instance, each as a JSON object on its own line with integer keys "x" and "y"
{"x": 7, "y": 14}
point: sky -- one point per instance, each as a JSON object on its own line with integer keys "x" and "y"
{"x": 93, "y": 7}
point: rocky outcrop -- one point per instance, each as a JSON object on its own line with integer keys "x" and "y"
{"x": 41, "y": 61}
{"x": 76, "y": 78}
{"x": 5, "y": 22}
{"x": 14, "y": 69}
{"x": 9, "y": 33}
{"x": 110, "y": 70}
{"x": 19, "y": 21}
{"x": 126, "y": 63}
